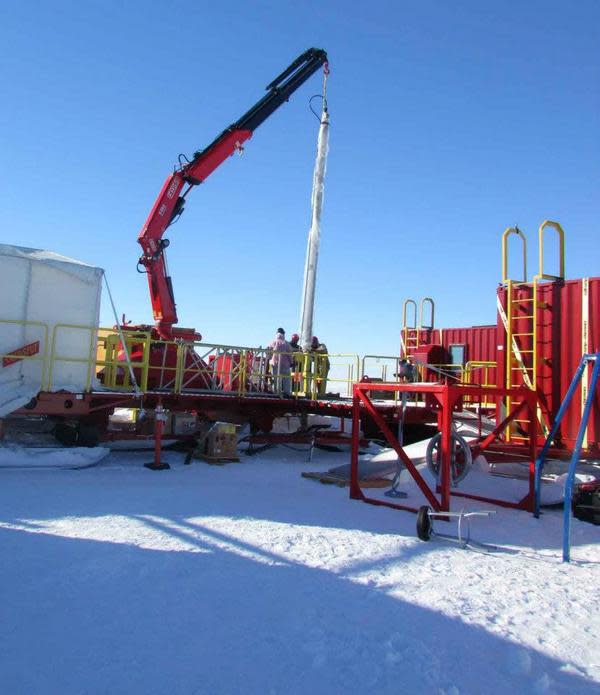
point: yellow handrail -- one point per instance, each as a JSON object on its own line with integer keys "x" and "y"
{"x": 505, "y": 235}
{"x": 486, "y": 365}
{"x": 561, "y": 250}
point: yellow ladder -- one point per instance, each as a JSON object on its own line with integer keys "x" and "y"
{"x": 522, "y": 347}
{"x": 521, "y": 322}
{"x": 410, "y": 334}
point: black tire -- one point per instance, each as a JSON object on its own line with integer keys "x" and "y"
{"x": 87, "y": 435}
{"x": 424, "y": 523}
{"x": 65, "y": 434}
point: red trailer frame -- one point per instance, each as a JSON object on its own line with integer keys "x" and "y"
{"x": 446, "y": 399}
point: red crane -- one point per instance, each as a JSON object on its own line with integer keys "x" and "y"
{"x": 171, "y": 199}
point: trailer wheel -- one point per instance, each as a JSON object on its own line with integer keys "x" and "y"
{"x": 87, "y": 435}
{"x": 424, "y": 523}
{"x": 66, "y": 434}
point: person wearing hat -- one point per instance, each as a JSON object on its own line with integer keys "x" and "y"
{"x": 280, "y": 362}
{"x": 407, "y": 371}
{"x": 298, "y": 365}
{"x": 322, "y": 365}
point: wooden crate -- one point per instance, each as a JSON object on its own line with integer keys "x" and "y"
{"x": 219, "y": 444}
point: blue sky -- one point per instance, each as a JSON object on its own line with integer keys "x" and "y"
{"x": 450, "y": 122}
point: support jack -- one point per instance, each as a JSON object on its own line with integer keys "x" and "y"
{"x": 159, "y": 423}
{"x": 151, "y": 465}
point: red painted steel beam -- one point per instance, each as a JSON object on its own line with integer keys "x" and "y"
{"x": 492, "y": 436}
{"x": 393, "y": 442}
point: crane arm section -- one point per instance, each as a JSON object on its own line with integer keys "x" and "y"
{"x": 171, "y": 199}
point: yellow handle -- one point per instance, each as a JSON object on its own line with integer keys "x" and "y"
{"x": 507, "y": 233}
{"x": 561, "y": 250}
{"x": 431, "y": 303}
{"x": 404, "y": 312}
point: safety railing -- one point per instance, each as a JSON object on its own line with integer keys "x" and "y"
{"x": 79, "y": 357}
{"x": 478, "y": 373}
{"x": 251, "y": 371}
{"x": 178, "y": 367}
{"x": 481, "y": 373}
{"x": 230, "y": 369}
{"x": 380, "y": 367}
{"x": 87, "y": 357}
{"x": 341, "y": 371}
{"x": 389, "y": 369}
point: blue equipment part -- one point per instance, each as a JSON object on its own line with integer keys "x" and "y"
{"x": 539, "y": 464}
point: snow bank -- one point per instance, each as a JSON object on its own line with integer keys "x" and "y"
{"x": 50, "y": 457}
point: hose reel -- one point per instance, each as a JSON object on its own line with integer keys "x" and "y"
{"x": 461, "y": 457}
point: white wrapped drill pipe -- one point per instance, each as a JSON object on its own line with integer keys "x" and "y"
{"x": 314, "y": 235}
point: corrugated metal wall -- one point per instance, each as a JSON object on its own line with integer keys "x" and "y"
{"x": 561, "y": 342}
{"x": 480, "y": 345}
{"x": 561, "y": 339}
{"x": 567, "y": 303}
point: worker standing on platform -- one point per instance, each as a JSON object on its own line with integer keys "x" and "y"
{"x": 407, "y": 372}
{"x": 298, "y": 364}
{"x": 321, "y": 365}
{"x": 281, "y": 362}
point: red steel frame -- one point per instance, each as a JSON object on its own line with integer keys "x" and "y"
{"x": 448, "y": 398}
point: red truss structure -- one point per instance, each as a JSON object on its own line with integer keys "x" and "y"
{"x": 447, "y": 399}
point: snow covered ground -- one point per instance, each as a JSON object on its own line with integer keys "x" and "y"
{"x": 247, "y": 578}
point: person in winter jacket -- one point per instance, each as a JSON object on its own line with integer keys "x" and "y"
{"x": 298, "y": 365}
{"x": 407, "y": 371}
{"x": 322, "y": 365}
{"x": 281, "y": 363}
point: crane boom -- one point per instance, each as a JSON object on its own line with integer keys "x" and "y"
{"x": 171, "y": 199}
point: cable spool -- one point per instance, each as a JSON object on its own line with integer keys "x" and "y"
{"x": 460, "y": 460}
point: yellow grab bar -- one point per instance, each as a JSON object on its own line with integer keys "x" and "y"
{"x": 405, "y": 311}
{"x": 431, "y": 303}
{"x": 507, "y": 232}
{"x": 561, "y": 250}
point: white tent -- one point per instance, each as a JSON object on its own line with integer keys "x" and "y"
{"x": 49, "y": 305}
